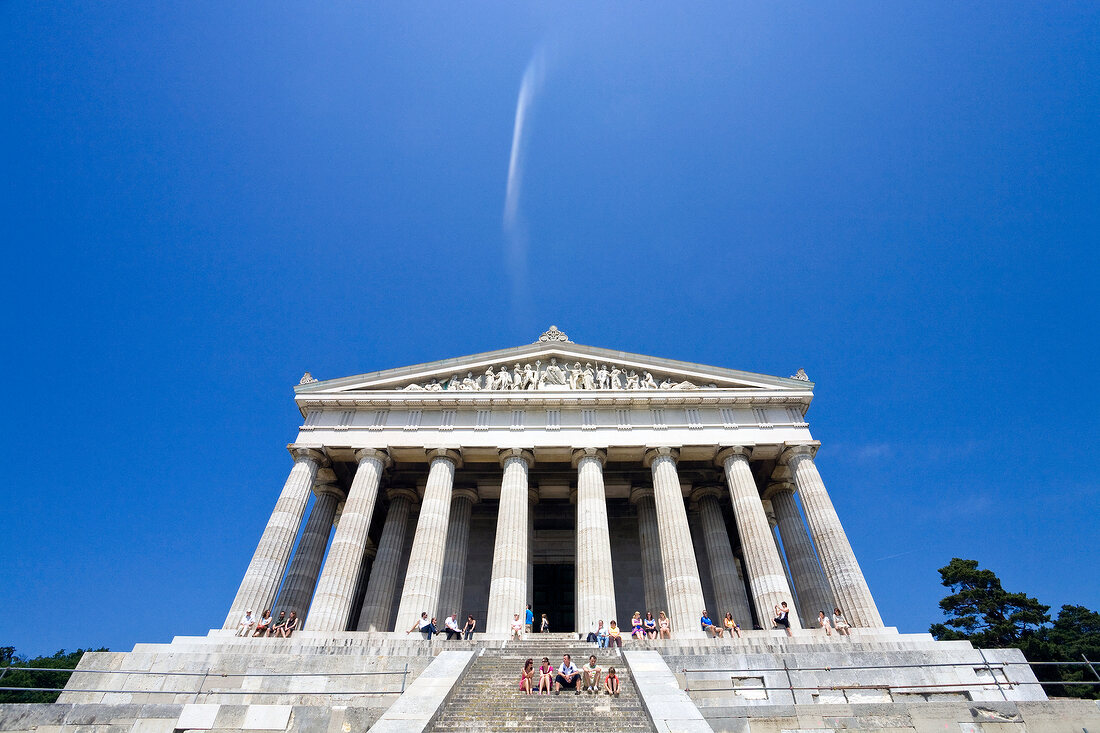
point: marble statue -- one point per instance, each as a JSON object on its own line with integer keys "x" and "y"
{"x": 575, "y": 376}
{"x": 613, "y": 381}
{"x": 648, "y": 382}
{"x": 588, "y": 377}
{"x": 553, "y": 375}
{"x": 632, "y": 380}
{"x": 603, "y": 380}
{"x": 517, "y": 377}
{"x": 556, "y": 376}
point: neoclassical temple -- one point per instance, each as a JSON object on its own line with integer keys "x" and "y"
{"x": 587, "y": 482}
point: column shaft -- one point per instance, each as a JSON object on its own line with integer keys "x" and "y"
{"x": 336, "y": 588}
{"x": 682, "y": 586}
{"x": 454, "y": 559}
{"x": 649, "y": 540}
{"x": 378, "y": 598}
{"x": 595, "y": 583}
{"x": 809, "y": 581}
{"x": 265, "y": 570}
{"x": 301, "y": 577}
{"x": 837, "y": 558}
{"x": 729, "y": 591}
{"x": 508, "y": 586}
{"x": 767, "y": 578}
{"x": 425, "y": 571}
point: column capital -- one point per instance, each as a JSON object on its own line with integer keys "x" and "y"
{"x": 314, "y": 453}
{"x": 653, "y": 454}
{"x": 776, "y": 487}
{"x": 450, "y": 454}
{"x": 399, "y": 493}
{"x": 469, "y": 494}
{"x": 370, "y": 549}
{"x": 637, "y": 493}
{"x": 331, "y": 489}
{"x": 599, "y": 454}
{"x": 704, "y": 490}
{"x": 379, "y": 454}
{"x": 733, "y": 450}
{"x": 798, "y": 449}
{"x": 507, "y": 454}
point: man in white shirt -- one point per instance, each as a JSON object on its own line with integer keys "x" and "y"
{"x": 423, "y": 625}
{"x": 517, "y": 628}
{"x": 453, "y": 632}
{"x": 568, "y": 676}
{"x": 244, "y": 628}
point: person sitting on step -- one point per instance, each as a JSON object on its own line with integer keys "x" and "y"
{"x": 636, "y": 631}
{"x": 292, "y": 624}
{"x": 731, "y": 625}
{"x": 614, "y": 636}
{"x": 601, "y": 635}
{"x": 244, "y": 628}
{"x": 783, "y": 618}
{"x": 274, "y": 630}
{"x": 546, "y": 676}
{"x": 611, "y": 682}
{"x": 423, "y": 625}
{"x": 650, "y": 625}
{"x": 468, "y": 629}
{"x": 591, "y": 674}
{"x": 263, "y": 624}
{"x": 517, "y": 628}
{"x": 664, "y": 626}
{"x": 451, "y": 625}
{"x": 705, "y": 622}
{"x": 568, "y": 676}
{"x": 823, "y": 622}
{"x": 526, "y": 678}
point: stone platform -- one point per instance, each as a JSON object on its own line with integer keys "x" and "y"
{"x": 874, "y": 679}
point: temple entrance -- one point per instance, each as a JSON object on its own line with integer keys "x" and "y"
{"x": 554, "y": 586}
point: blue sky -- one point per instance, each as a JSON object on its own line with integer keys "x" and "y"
{"x": 202, "y": 201}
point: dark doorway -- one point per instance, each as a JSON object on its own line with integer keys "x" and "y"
{"x": 553, "y": 595}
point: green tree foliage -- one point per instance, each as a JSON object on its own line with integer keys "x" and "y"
{"x": 20, "y": 678}
{"x": 981, "y": 611}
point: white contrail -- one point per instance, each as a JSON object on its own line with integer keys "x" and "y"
{"x": 532, "y": 80}
{"x": 515, "y": 232}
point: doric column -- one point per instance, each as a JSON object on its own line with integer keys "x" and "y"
{"x": 425, "y": 572}
{"x": 454, "y": 558}
{"x": 767, "y": 580}
{"x": 837, "y": 559}
{"x": 370, "y": 551}
{"x": 265, "y": 571}
{"x": 336, "y": 588}
{"x": 809, "y": 582}
{"x": 649, "y": 539}
{"x": 595, "y": 583}
{"x": 729, "y": 591}
{"x": 508, "y": 587}
{"x": 682, "y": 587}
{"x": 378, "y": 598}
{"x": 301, "y": 576}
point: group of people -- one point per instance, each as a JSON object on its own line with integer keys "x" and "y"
{"x": 589, "y": 678}
{"x": 640, "y": 628}
{"x": 782, "y": 620}
{"x": 428, "y": 628}
{"x": 282, "y": 627}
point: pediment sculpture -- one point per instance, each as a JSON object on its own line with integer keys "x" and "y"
{"x": 552, "y": 376}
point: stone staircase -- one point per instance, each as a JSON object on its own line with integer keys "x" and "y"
{"x": 488, "y": 697}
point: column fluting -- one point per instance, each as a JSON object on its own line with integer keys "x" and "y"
{"x": 767, "y": 578}
{"x": 595, "y": 584}
{"x": 683, "y": 589}
{"x": 265, "y": 570}
{"x": 336, "y": 589}
{"x": 453, "y": 586}
{"x": 508, "y": 586}
{"x": 810, "y": 586}
{"x": 729, "y": 591}
{"x": 425, "y": 572}
{"x": 842, "y": 570}
{"x": 649, "y": 540}
{"x": 301, "y": 576}
{"x": 377, "y": 610}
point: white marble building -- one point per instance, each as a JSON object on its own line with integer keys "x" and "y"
{"x": 588, "y": 482}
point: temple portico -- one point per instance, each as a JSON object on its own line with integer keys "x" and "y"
{"x": 479, "y": 485}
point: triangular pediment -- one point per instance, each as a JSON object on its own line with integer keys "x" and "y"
{"x": 554, "y": 366}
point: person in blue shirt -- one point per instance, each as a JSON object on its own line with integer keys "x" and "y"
{"x": 707, "y": 625}
{"x": 529, "y": 620}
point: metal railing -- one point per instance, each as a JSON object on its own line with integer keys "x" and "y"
{"x": 991, "y": 668}
{"x": 207, "y": 674}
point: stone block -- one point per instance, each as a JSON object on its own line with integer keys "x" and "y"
{"x": 267, "y": 717}
{"x": 154, "y": 725}
{"x": 198, "y": 716}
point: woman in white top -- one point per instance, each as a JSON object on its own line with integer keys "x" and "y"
{"x": 840, "y": 624}
{"x": 823, "y": 622}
